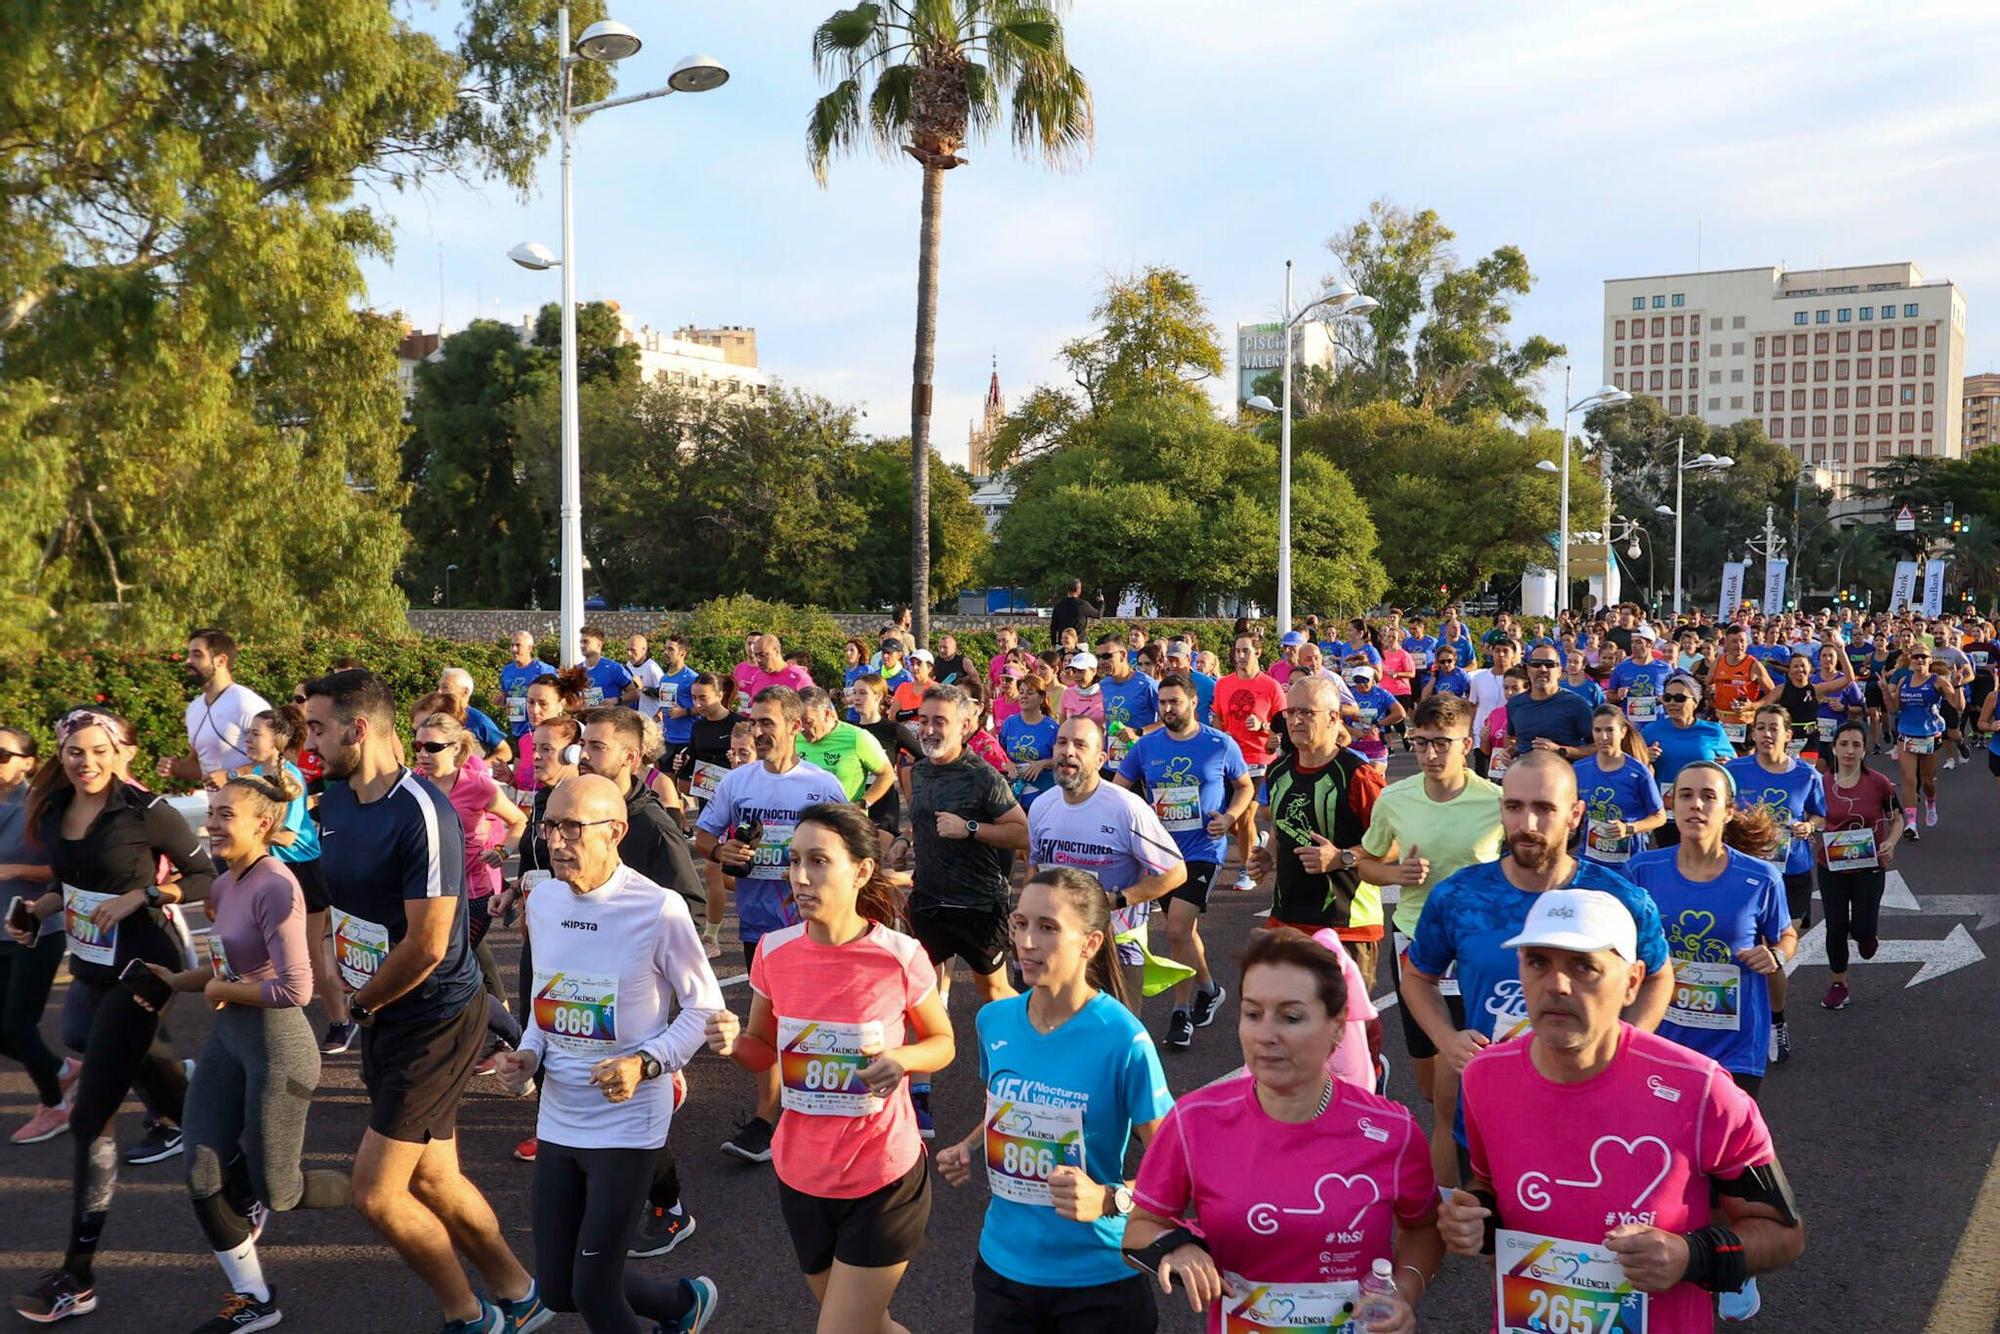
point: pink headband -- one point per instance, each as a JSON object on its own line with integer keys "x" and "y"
{"x": 77, "y": 719}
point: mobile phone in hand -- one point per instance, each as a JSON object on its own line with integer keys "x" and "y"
{"x": 751, "y": 833}
{"x": 21, "y": 917}
{"x": 146, "y": 984}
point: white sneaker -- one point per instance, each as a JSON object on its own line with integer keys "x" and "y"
{"x": 1245, "y": 882}
{"x": 1741, "y": 1305}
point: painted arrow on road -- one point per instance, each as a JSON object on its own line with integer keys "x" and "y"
{"x": 1938, "y": 957}
{"x": 1986, "y": 907}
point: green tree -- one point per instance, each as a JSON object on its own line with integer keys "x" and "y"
{"x": 1439, "y": 339}
{"x": 203, "y": 417}
{"x": 958, "y": 530}
{"x": 940, "y": 70}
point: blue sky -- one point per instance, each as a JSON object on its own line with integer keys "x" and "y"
{"x": 1233, "y": 136}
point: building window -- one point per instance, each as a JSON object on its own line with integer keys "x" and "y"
{"x": 1680, "y": 299}
{"x": 1674, "y": 352}
{"x": 1736, "y": 322}
{"x": 1909, "y": 311}
{"x": 1844, "y": 315}
{"x": 1866, "y": 343}
{"x": 1736, "y": 377}
{"x": 1863, "y": 368}
{"x": 1798, "y": 399}
{"x": 1618, "y": 356}
{"x": 1736, "y": 402}
{"x": 1638, "y": 303}
{"x": 1819, "y": 370}
{"x": 1798, "y": 317}
{"x": 1930, "y": 335}
{"x": 1860, "y": 456}
{"x": 1757, "y": 401}
{"x": 1819, "y": 398}
{"x": 1909, "y": 365}
{"x": 1882, "y": 423}
{"x": 1868, "y": 312}
{"x": 1843, "y": 341}
{"x": 1760, "y": 347}
{"x": 1715, "y": 324}
{"x": 1715, "y": 405}
{"x": 1777, "y": 428}
{"x": 1778, "y": 373}
{"x": 1657, "y": 383}
{"x": 1910, "y": 336}
{"x": 1927, "y": 421}
{"x": 1886, "y": 367}
{"x": 1715, "y": 377}
{"x": 1930, "y": 363}
{"x": 1798, "y": 428}
{"x": 1674, "y": 380}
{"x": 1927, "y": 446}
{"x": 1680, "y": 325}
{"x": 1909, "y": 394}
{"x": 1694, "y": 351}
{"x": 1620, "y": 330}
{"x": 1840, "y": 398}
{"x": 1840, "y": 369}
{"x": 1820, "y": 343}
{"x": 1819, "y": 317}
{"x": 1674, "y": 405}
{"x": 1840, "y": 425}
{"x": 1798, "y": 345}
{"x": 1930, "y": 393}
{"x": 1659, "y": 303}
{"x": 1736, "y": 350}
{"x": 1863, "y": 397}
{"x": 1659, "y": 326}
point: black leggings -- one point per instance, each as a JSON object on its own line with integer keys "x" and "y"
{"x": 26, "y": 976}
{"x": 587, "y": 1204}
{"x": 1853, "y": 901}
{"x": 124, "y": 1047}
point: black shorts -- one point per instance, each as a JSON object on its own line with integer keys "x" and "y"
{"x": 977, "y": 935}
{"x": 888, "y": 813}
{"x": 416, "y": 1072}
{"x": 1871, "y": 694}
{"x": 1194, "y": 890}
{"x": 1750, "y": 1084}
{"x": 873, "y": 1231}
{"x": 312, "y": 884}
{"x": 1418, "y": 1042}
{"x": 1952, "y": 717}
{"x": 1002, "y": 1306}
{"x": 1798, "y": 896}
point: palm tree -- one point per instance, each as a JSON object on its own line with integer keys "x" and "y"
{"x": 940, "y": 69}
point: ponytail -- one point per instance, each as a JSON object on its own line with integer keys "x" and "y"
{"x": 1086, "y": 898}
{"x": 270, "y": 794}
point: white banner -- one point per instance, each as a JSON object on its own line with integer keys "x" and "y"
{"x": 1774, "y": 585}
{"x": 1903, "y": 592}
{"x": 1732, "y": 590}
{"x": 1934, "y": 588}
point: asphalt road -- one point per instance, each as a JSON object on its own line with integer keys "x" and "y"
{"x": 1885, "y": 1119}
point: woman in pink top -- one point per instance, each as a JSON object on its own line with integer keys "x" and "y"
{"x": 847, "y": 1009}
{"x": 544, "y": 701}
{"x": 1298, "y": 1181}
{"x": 447, "y": 754}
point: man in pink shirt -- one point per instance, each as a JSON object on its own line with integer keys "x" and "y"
{"x": 1004, "y": 639}
{"x": 1596, "y": 1150}
{"x": 770, "y": 669}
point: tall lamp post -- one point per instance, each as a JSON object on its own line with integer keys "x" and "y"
{"x": 1337, "y": 301}
{"x": 1604, "y": 396}
{"x": 604, "y": 42}
{"x": 1683, "y": 465}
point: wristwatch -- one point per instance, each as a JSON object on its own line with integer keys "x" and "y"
{"x": 1347, "y": 859}
{"x": 649, "y": 1066}
{"x": 972, "y": 829}
{"x": 360, "y": 1014}
{"x": 152, "y": 896}
{"x": 1121, "y": 1200}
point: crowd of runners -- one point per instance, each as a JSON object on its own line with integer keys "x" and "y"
{"x": 1584, "y": 901}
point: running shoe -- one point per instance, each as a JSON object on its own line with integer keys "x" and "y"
{"x": 920, "y": 1100}
{"x": 339, "y": 1037}
{"x": 705, "y": 1299}
{"x": 1781, "y": 1042}
{"x": 56, "y": 1296}
{"x": 46, "y": 1123}
{"x": 1245, "y": 882}
{"x": 711, "y": 946}
{"x": 1835, "y": 998}
{"x": 1206, "y": 1003}
{"x": 1910, "y": 823}
{"x": 526, "y": 1314}
{"x": 1741, "y": 1305}
{"x": 752, "y": 1142}
{"x": 1930, "y": 813}
{"x": 488, "y": 1321}
{"x": 161, "y": 1141}
{"x": 660, "y": 1232}
{"x": 1382, "y": 1074}
{"x": 1180, "y": 1029}
{"x": 241, "y": 1313}
{"x": 525, "y": 1150}
{"x": 1866, "y": 948}
{"x": 71, "y": 1068}
{"x": 1950, "y": 762}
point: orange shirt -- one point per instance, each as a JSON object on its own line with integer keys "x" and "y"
{"x": 1734, "y": 687}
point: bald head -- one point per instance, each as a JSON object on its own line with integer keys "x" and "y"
{"x": 586, "y": 797}
{"x": 1546, "y": 772}
{"x": 583, "y": 824}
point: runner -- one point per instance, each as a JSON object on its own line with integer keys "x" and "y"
{"x": 104, "y": 837}
{"x": 1678, "y": 737}
{"x": 646, "y": 676}
{"x": 1321, "y": 798}
{"x": 1422, "y": 830}
{"x": 1029, "y": 738}
{"x": 1738, "y": 682}
{"x": 1375, "y": 711}
{"x": 1249, "y": 705}
{"x": 703, "y": 763}
{"x": 254, "y": 1081}
{"x": 746, "y": 828}
{"x": 1639, "y": 681}
{"x": 1802, "y": 695}
{"x": 1082, "y": 696}
{"x": 899, "y": 742}
{"x": 1848, "y": 702}
{"x": 28, "y": 964}
{"x": 1101, "y": 828}
{"x": 1302, "y": 1185}
{"x": 1640, "y": 1250}
{"x": 542, "y": 700}
{"x": 1576, "y": 679}
{"x": 1068, "y": 1071}
{"x": 834, "y": 1001}
{"x": 1182, "y": 657}
{"x": 395, "y": 872}
{"x": 1548, "y": 717}
{"x": 1864, "y": 824}
{"x": 1468, "y": 916}
{"x": 1448, "y": 677}
{"x": 519, "y": 672}
{"x": 853, "y": 756}
{"x": 617, "y": 947}
{"x": 769, "y": 668}
{"x": 1915, "y": 693}
{"x": 1131, "y": 699}
{"x": 493, "y": 744}
{"x": 219, "y": 714}
{"x": 1621, "y": 798}
{"x": 608, "y": 681}
{"x": 490, "y": 827}
{"x": 1197, "y": 783}
{"x": 1487, "y": 689}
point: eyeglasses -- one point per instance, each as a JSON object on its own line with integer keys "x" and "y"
{"x": 1440, "y": 744}
{"x": 299, "y": 700}
{"x": 1678, "y": 698}
{"x": 1106, "y": 657}
{"x": 436, "y": 747}
{"x": 571, "y": 830}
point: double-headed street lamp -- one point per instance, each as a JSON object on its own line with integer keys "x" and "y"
{"x": 604, "y": 42}
{"x": 1683, "y": 465}
{"x": 1603, "y": 397}
{"x": 1337, "y": 301}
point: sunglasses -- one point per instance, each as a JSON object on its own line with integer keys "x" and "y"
{"x": 1678, "y": 698}
{"x": 1543, "y": 662}
{"x": 6, "y": 755}
{"x": 299, "y": 700}
{"x": 436, "y": 747}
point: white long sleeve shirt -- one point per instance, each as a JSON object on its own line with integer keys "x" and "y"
{"x": 607, "y": 964}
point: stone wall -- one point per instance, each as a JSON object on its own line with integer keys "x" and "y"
{"x": 482, "y": 627}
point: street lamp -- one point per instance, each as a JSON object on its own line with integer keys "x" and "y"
{"x": 1339, "y": 301}
{"x": 1605, "y": 396}
{"x": 1683, "y": 465}
{"x": 603, "y": 42}
{"x": 449, "y": 570}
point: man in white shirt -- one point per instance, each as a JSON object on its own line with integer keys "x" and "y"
{"x": 218, "y": 717}
{"x": 1489, "y": 693}
{"x": 646, "y": 677}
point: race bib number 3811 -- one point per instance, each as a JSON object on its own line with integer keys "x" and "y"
{"x": 1550, "y": 1286}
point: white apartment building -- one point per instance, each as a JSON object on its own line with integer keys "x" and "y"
{"x": 1847, "y": 367}
{"x": 719, "y": 362}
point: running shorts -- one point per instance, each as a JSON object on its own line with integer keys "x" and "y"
{"x": 416, "y": 1072}
{"x": 882, "y": 1228}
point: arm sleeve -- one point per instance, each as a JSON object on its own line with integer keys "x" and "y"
{"x": 684, "y": 970}
{"x": 280, "y": 910}
{"x": 1432, "y": 948}
{"x": 1475, "y": 1143}
{"x": 1165, "y": 1185}
{"x": 1815, "y": 794}
{"x": 1381, "y": 832}
{"x": 1362, "y": 790}
{"x": 1130, "y": 767}
{"x": 168, "y": 834}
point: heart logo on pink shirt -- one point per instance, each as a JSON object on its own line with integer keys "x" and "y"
{"x": 1533, "y": 1187}
{"x": 1263, "y": 1218}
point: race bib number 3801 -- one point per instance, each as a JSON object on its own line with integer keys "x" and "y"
{"x": 820, "y": 1064}
{"x": 358, "y": 948}
{"x": 1549, "y": 1286}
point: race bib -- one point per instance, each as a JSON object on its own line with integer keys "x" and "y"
{"x": 1550, "y": 1286}
{"x": 707, "y": 777}
{"x": 774, "y": 854}
{"x": 358, "y": 948}
{"x": 1826, "y": 726}
{"x": 1606, "y": 847}
{"x": 86, "y": 941}
{"x": 819, "y": 1067}
{"x": 1364, "y": 719}
{"x": 1707, "y": 995}
{"x": 1737, "y": 733}
{"x": 1797, "y": 746}
{"x": 1642, "y": 708}
{"x": 1497, "y": 766}
{"x": 578, "y": 1012}
{"x": 593, "y": 696}
{"x": 1319, "y": 1307}
{"x": 1420, "y": 660}
{"x": 1179, "y": 808}
{"x": 517, "y": 708}
{"x": 530, "y": 879}
{"x": 1025, "y": 1141}
{"x": 1850, "y": 849}
{"x": 218, "y": 958}
{"x": 1920, "y": 745}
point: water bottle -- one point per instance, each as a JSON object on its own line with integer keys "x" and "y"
{"x": 1378, "y": 1296}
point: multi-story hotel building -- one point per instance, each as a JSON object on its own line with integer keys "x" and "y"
{"x": 1982, "y": 411}
{"x": 1846, "y": 367}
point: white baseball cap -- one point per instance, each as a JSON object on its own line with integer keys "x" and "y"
{"x": 1643, "y": 630}
{"x": 1362, "y": 673}
{"x": 922, "y": 655}
{"x": 1084, "y": 662}
{"x": 1582, "y": 920}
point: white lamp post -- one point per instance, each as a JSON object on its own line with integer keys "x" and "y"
{"x": 1603, "y": 397}
{"x": 1683, "y": 465}
{"x": 605, "y": 41}
{"x": 1340, "y": 301}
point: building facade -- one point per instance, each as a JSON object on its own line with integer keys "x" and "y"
{"x": 1846, "y": 367}
{"x": 1982, "y": 411}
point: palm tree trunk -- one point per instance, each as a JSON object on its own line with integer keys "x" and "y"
{"x": 928, "y": 238}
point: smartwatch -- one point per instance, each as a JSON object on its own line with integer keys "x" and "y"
{"x": 972, "y": 829}
{"x": 1121, "y": 1200}
{"x": 1347, "y": 859}
{"x": 359, "y": 1013}
{"x": 649, "y": 1066}
{"x": 152, "y": 896}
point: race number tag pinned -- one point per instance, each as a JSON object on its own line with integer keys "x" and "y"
{"x": 820, "y": 1064}
{"x": 1546, "y": 1284}
{"x": 1025, "y": 1141}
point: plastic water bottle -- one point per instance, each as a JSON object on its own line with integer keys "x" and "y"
{"x": 1378, "y": 1296}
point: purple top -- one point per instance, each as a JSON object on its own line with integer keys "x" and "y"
{"x": 260, "y": 932}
